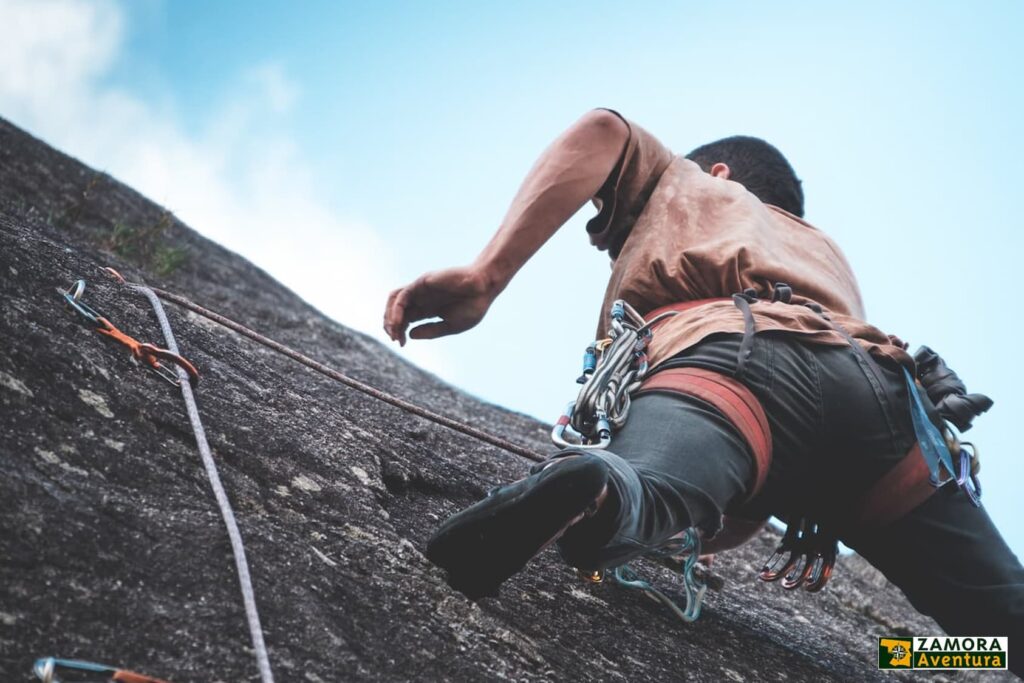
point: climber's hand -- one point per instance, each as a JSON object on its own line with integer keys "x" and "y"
{"x": 458, "y": 296}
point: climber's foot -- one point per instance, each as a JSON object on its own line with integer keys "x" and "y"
{"x": 490, "y": 541}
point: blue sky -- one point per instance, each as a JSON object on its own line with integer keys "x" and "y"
{"x": 348, "y": 147}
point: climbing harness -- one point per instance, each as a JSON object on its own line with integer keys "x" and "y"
{"x": 903, "y": 488}
{"x": 614, "y": 370}
{"x": 923, "y": 470}
{"x": 148, "y": 354}
{"x": 186, "y": 374}
{"x": 732, "y": 399}
{"x": 46, "y": 670}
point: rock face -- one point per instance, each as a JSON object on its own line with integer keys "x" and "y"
{"x": 112, "y": 548}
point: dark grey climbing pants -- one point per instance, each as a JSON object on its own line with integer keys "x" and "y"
{"x": 836, "y": 427}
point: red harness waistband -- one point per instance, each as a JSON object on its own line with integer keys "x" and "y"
{"x": 729, "y": 397}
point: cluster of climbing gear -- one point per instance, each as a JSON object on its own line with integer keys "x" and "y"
{"x": 613, "y": 368}
{"x": 152, "y": 357}
{"x": 47, "y": 669}
{"x": 804, "y": 558}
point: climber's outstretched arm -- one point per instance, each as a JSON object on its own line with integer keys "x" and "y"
{"x": 569, "y": 172}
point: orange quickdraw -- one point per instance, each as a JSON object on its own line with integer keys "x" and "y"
{"x": 148, "y": 354}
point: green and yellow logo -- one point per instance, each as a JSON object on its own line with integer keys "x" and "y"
{"x": 942, "y": 652}
{"x": 894, "y": 653}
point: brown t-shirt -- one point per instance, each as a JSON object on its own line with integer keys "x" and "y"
{"x": 679, "y": 234}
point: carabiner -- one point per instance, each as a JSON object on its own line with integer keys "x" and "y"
{"x": 152, "y": 355}
{"x": 967, "y": 454}
{"x": 563, "y": 428}
{"x": 72, "y": 297}
{"x": 812, "y": 557}
{"x": 799, "y": 574}
{"x": 46, "y": 668}
{"x": 774, "y": 567}
{"x": 821, "y": 572}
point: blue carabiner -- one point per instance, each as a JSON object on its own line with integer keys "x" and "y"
{"x": 589, "y": 364}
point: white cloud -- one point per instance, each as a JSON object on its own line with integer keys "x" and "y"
{"x": 53, "y": 48}
{"x": 240, "y": 180}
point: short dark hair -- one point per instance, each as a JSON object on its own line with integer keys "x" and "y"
{"x": 757, "y": 166}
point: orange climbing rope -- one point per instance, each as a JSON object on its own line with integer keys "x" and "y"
{"x": 436, "y": 418}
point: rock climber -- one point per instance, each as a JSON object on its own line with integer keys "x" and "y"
{"x": 769, "y": 317}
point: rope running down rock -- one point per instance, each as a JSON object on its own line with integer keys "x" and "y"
{"x": 237, "y": 548}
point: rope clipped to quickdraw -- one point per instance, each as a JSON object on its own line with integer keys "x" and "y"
{"x": 612, "y": 368}
{"x": 148, "y": 354}
{"x": 184, "y": 375}
{"x": 46, "y": 669}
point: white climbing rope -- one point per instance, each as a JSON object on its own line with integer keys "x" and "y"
{"x": 237, "y": 548}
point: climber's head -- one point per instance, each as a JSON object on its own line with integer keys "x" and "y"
{"x": 756, "y": 165}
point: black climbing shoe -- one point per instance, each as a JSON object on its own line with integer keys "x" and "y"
{"x": 490, "y": 541}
